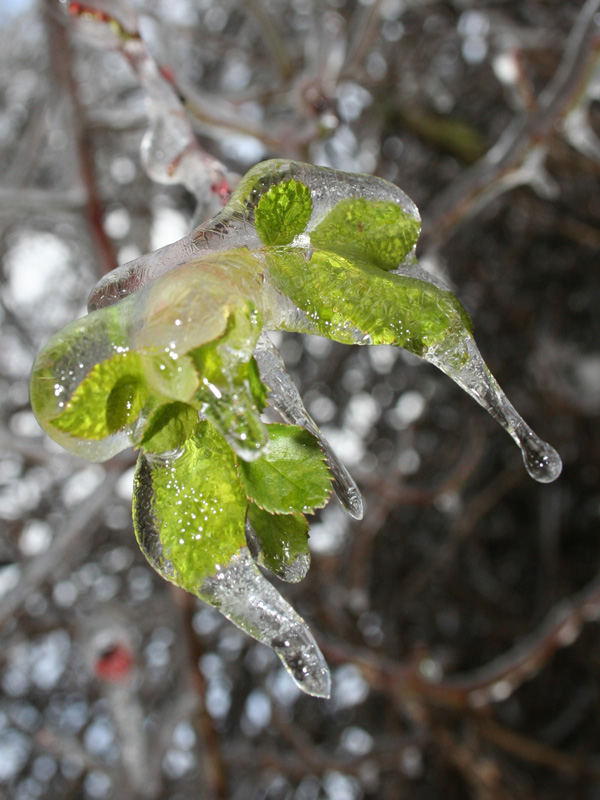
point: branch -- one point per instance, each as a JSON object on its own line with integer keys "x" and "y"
{"x": 517, "y": 158}
{"x": 170, "y": 151}
{"x": 60, "y": 55}
{"x": 496, "y": 680}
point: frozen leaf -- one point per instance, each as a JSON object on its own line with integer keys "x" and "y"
{"x": 377, "y": 232}
{"x": 283, "y": 212}
{"x": 279, "y": 542}
{"x": 189, "y": 511}
{"x": 352, "y": 303}
{"x": 108, "y": 399}
{"x": 171, "y": 375}
{"x": 168, "y": 428}
{"x": 285, "y": 398}
{"x": 244, "y": 596}
{"x": 230, "y": 394}
{"x": 291, "y": 476}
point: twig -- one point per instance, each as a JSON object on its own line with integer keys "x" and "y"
{"x": 493, "y": 682}
{"x": 526, "y": 749}
{"x": 82, "y": 522}
{"x": 171, "y": 152}
{"x": 517, "y": 157}
{"x": 60, "y": 54}
{"x": 214, "y": 766}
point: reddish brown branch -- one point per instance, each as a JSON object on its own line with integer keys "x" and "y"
{"x": 214, "y": 768}
{"x": 493, "y": 682}
{"x": 60, "y": 55}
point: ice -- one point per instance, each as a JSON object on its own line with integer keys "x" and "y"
{"x": 233, "y": 227}
{"x": 245, "y": 597}
{"x": 240, "y": 592}
{"x": 461, "y": 360}
{"x": 292, "y": 572}
{"x": 185, "y": 329}
{"x": 285, "y": 398}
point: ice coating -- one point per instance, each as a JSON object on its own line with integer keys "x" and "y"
{"x": 286, "y": 399}
{"x": 470, "y": 372}
{"x": 233, "y": 227}
{"x": 158, "y": 327}
{"x": 174, "y": 359}
{"x": 290, "y": 567}
{"x": 245, "y": 597}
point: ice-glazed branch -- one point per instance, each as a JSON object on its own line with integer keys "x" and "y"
{"x": 518, "y": 156}
{"x": 60, "y": 54}
{"x": 495, "y": 681}
{"x": 170, "y": 150}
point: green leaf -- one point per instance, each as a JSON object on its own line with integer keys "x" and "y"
{"x": 231, "y": 394}
{"x": 377, "y": 231}
{"x": 283, "y": 212}
{"x": 190, "y": 510}
{"x": 291, "y": 476}
{"x": 345, "y": 300}
{"x": 108, "y": 399}
{"x": 257, "y": 388}
{"x": 168, "y": 428}
{"x": 281, "y": 544}
{"x": 170, "y": 374}
{"x": 124, "y": 402}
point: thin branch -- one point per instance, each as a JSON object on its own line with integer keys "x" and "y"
{"x": 60, "y": 55}
{"x": 493, "y": 682}
{"x": 82, "y": 522}
{"x": 517, "y": 157}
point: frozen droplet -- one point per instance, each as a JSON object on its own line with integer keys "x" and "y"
{"x": 246, "y": 598}
{"x": 459, "y": 358}
{"x": 541, "y": 460}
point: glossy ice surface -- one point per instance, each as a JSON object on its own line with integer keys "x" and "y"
{"x": 174, "y": 359}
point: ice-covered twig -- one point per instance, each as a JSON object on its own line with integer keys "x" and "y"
{"x": 59, "y": 47}
{"x": 518, "y": 156}
{"x": 495, "y": 681}
{"x": 170, "y": 150}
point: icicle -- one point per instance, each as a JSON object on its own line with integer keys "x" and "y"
{"x": 285, "y": 398}
{"x": 462, "y": 361}
{"x": 245, "y": 597}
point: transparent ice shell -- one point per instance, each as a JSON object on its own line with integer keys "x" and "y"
{"x": 233, "y": 227}
{"x": 180, "y": 297}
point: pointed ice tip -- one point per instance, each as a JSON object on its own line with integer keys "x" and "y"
{"x": 346, "y": 491}
{"x": 304, "y": 661}
{"x": 542, "y": 462}
{"x": 354, "y": 505}
{"x": 317, "y": 684}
